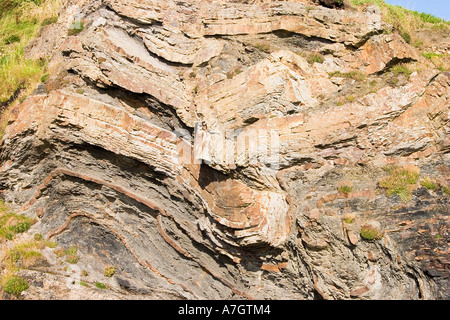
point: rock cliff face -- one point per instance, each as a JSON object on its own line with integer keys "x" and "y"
{"x": 225, "y": 149}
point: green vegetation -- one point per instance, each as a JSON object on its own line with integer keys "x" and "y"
{"x": 38, "y": 237}
{"x": 314, "y": 58}
{"x": 445, "y": 190}
{"x": 348, "y": 218}
{"x": 48, "y": 21}
{"x": 72, "y": 259}
{"x": 15, "y": 285}
{"x": 335, "y": 74}
{"x": 350, "y": 98}
{"x": 44, "y": 78}
{"x": 405, "y": 35}
{"x": 75, "y": 28}
{"x": 435, "y": 185}
{"x": 417, "y": 43}
{"x": 431, "y": 55}
{"x": 11, "y": 223}
{"x": 71, "y": 255}
{"x": 429, "y": 184}
{"x": 20, "y": 21}
{"x": 438, "y": 59}
{"x": 109, "y": 271}
{"x": 355, "y": 75}
{"x": 100, "y": 285}
{"x": 392, "y": 82}
{"x": 25, "y": 254}
{"x": 8, "y": 5}
{"x": 405, "y": 20}
{"x": 11, "y": 39}
{"x": 18, "y": 254}
{"x": 400, "y": 181}
{"x": 339, "y": 3}
{"x": 15, "y": 70}
{"x": 263, "y": 47}
{"x": 370, "y": 233}
{"x": 345, "y": 189}
{"x": 401, "y": 69}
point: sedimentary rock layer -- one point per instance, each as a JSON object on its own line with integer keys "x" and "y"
{"x": 196, "y": 147}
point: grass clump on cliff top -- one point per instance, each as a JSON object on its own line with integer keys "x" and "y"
{"x": 405, "y": 20}
{"x": 8, "y": 5}
{"x": 20, "y": 21}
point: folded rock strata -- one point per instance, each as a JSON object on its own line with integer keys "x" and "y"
{"x": 173, "y": 145}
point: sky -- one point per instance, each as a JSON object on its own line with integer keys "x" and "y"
{"x": 438, "y": 8}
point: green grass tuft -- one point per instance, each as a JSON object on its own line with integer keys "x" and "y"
{"x": 11, "y": 39}
{"x": 345, "y": 189}
{"x": 71, "y": 255}
{"x": 314, "y": 58}
{"x": 445, "y": 190}
{"x": 11, "y": 223}
{"x": 370, "y": 233}
{"x": 405, "y": 35}
{"x": 109, "y": 271}
{"x": 433, "y": 55}
{"x": 429, "y": 184}
{"x": 15, "y": 285}
{"x": 49, "y": 21}
{"x": 400, "y": 181}
{"x": 71, "y": 251}
{"x": 355, "y": 75}
{"x": 44, "y": 78}
{"x": 100, "y": 285}
{"x": 72, "y": 259}
{"x": 401, "y": 69}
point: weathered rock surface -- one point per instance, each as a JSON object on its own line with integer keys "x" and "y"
{"x": 193, "y": 146}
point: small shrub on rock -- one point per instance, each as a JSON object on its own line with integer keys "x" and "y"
{"x": 15, "y": 285}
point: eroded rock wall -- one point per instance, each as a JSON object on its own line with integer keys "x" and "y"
{"x": 194, "y": 146}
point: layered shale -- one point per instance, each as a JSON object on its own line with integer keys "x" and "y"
{"x": 200, "y": 149}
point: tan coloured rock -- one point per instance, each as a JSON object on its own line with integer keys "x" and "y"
{"x": 383, "y": 50}
{"x": 193, "y": 146}
{"x": 257, "y": 216}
